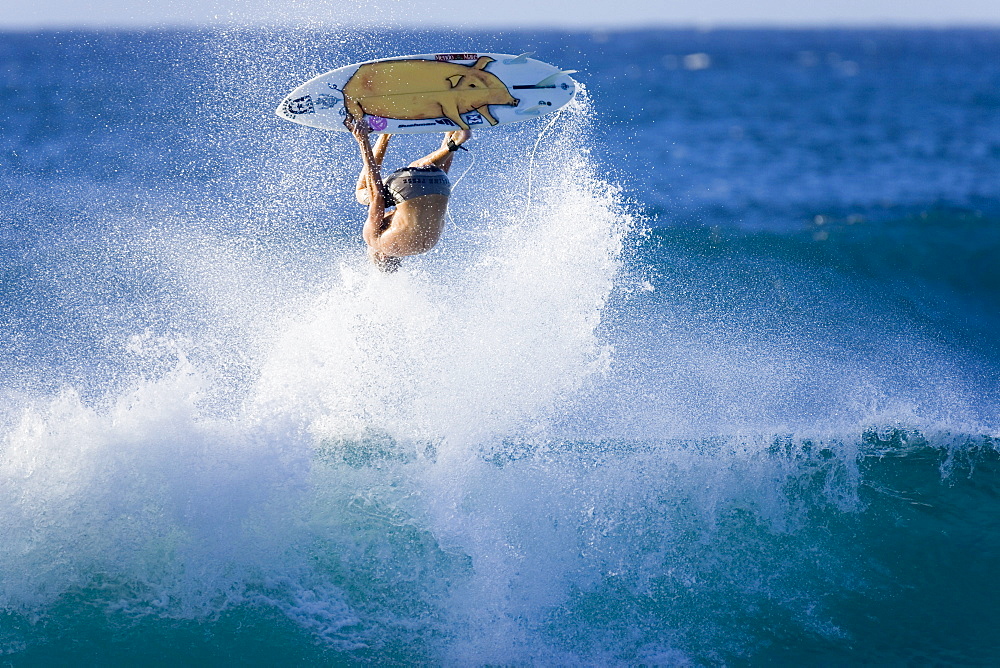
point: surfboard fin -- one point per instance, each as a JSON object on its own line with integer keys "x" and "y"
{"x": 530, "y": 111}
{"x": 549, "y": 80}
{"x": 519, "y": 60}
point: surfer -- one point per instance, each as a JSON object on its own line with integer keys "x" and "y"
{"x": 418, "y": 195}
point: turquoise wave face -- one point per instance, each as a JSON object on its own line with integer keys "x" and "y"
{"x": 625, "y": 413}
{"x": 614, "y": 551}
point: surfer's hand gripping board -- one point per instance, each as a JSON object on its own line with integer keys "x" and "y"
{"x": 357, "y": 127}
{"x": 430, "y": 93}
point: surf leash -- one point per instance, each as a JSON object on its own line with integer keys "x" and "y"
{"x": 541, "y": 135}
{"x": 459, "y": 180}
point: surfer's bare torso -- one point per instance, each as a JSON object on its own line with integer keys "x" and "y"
{"x": 419, "y": 193}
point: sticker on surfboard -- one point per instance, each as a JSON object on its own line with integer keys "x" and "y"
{"x": 435, "y": 92}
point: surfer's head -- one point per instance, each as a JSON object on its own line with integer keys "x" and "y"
{"x": 386, "y": 263}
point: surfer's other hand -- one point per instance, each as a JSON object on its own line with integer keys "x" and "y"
{"x": 458, "y": 137}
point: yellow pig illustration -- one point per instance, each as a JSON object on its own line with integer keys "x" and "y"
{"x": 422, "y": 89}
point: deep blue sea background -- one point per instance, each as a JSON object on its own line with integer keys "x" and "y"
{"x": 706, "y": 370}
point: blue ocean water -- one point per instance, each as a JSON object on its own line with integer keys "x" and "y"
{"x": 706, "y": 370}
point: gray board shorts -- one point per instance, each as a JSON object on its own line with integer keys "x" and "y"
{"x": 410, "y": 182}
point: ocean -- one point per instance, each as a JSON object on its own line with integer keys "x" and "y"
{"x": 704, "y": 372}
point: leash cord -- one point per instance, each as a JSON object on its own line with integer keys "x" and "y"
{"x": 534, "y": 150}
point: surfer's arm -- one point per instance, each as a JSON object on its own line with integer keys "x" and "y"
{"x": 375, "y": 224}
{"x": 443, "y": 156}
{"x": 381, "y": 144}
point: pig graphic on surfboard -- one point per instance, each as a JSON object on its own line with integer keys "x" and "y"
{"x": 431, "y": 93}
{"x": 423, "y": 89}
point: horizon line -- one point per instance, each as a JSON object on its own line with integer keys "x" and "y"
{"x": 594, "y": 28}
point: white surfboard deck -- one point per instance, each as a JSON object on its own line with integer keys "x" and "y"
{"x": 538, "y": 88}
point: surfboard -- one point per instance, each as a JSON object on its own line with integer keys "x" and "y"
{"x": 435, "y": 92}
